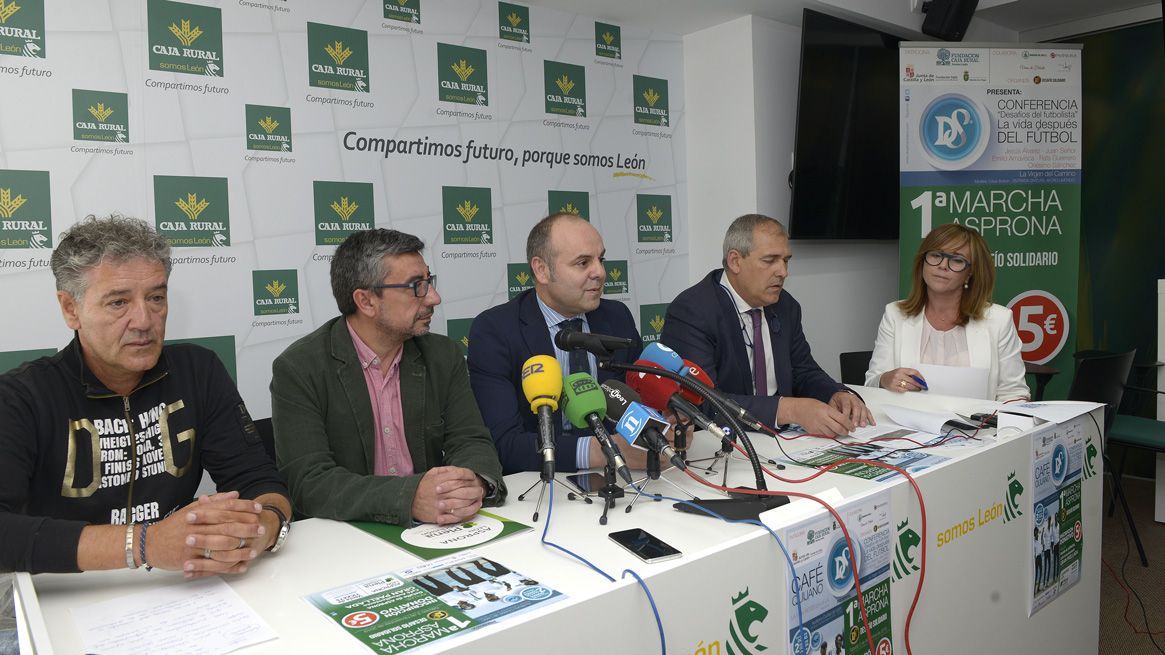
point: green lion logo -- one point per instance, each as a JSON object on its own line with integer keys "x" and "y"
{"x": 1011, "y": 506}
{"x": 1090, "y": 454}
{"x": 908, "y": 540}
{"x": 746, "y": 612}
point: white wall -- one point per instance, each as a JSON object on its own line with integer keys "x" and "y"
{"x": 740, "y": 137}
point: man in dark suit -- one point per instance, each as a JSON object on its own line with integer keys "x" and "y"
{"x": 566, "y": 255}
{"x": 373, "y": 416}
{"x": 738, "y": 325}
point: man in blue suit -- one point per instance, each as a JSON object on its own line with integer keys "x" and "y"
{"x": 566, "y": 255}
{"x": 738, "y": 325}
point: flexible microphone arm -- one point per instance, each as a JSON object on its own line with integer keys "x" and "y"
{"x": 706, "y": 393}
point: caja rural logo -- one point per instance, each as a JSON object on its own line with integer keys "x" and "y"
{"x": 192, "y": 212}
{"x": 608, "y": 41}
{"x": 25, "y": 213}
{"x": 566, "y": 88}
{"x": 268, "y": 128}
{"x": 954, "y": 131}
{"x": 651, "y": 320}
{"x": 337, "y": 58}
{"x": 100, "y": 116}
{"x": 341, "y": 208}
{"x": 405, "y": 11}
{"x": 519, "y": 278}
{"x": 22, "y": 28}
{"x": 185, "y": 38}
{"x": 513, "y": 22}
{"x": 462, "y": 75}
{"x": 468, "y": 215}
{"x": 275, "y": 292}
{"x": 651, "y": 100}
{"x": 569, "y": 202}
{"x": 653, "y": 218}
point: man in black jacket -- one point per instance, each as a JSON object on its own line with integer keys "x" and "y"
{"x": 102, "y": 445}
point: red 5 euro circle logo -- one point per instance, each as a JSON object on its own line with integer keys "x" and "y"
{"x": 1042, "y": 324}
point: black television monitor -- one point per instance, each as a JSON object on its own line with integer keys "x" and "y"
{"x": 845, "y": 162}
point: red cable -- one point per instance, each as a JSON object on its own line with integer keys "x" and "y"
{"x": 822, "y": 471}
{"x": 1128, "y": 600}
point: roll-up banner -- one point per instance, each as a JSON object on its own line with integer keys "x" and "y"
{"x": 991, "y": 139}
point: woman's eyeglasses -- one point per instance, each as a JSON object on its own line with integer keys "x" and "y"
{"x": 956, "y": 263}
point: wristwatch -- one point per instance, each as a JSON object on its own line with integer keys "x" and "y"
{"x": 284, "y": 528}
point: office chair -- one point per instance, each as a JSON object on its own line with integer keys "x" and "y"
{"x": 854, "y": 366}
{"x": 1100, "y": 378}
{"x": 1135, "y": 432}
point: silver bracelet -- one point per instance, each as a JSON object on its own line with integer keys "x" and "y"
{"x": 129, "y": 563}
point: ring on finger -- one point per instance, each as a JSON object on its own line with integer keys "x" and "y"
{"x": 206, "y": 553}
{"x": 242, "y": 543}
{"x": 902, "y": 383}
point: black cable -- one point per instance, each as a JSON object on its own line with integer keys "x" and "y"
{"x": 1128, "y": 551}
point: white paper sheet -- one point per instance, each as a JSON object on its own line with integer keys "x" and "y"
{"x": 962, "y": 381}
{"x": 917, "y": 419}
{"x": 204, "y": 616}
{"x": 1056, "y": 411}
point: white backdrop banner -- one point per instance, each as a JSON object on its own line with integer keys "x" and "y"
{"x": 257, "y": 134}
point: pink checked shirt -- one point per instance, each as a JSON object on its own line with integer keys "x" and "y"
{"x": 392, "y": 451}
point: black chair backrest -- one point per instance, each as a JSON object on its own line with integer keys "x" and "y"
{"x": 854, "y": 366}
{"x": 1100, "y": 378}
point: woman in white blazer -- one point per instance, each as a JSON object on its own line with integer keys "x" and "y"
{"x": 949, "y": 319}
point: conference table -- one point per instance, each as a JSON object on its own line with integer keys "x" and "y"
{"x": 732, "y": 583}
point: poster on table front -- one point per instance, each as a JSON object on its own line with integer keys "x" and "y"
{"x": 823, "y": 612}
{"x": 1056, "y": 523}
{"x": 991, "y": 139}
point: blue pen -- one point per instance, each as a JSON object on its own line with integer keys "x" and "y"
{"x": 920, "y": 381}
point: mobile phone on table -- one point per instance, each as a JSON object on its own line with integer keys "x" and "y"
{"x": 589, "y": 483}
{"x": 645, "y": 545}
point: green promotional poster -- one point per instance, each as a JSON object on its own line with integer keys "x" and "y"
{"x": 991, "y": 139}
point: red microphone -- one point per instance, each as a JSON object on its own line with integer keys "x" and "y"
{"x": 654, "y": 390}
{"x": 695, "y": 372}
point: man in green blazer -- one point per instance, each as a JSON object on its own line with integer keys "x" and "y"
{"x": 374, "y": 418}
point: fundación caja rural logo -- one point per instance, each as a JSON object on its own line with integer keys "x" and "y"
{"x": 462, "y": 75}
{"x": 25, "y": 214}
{"x": 651, "y": 319}
{"x": 100, "y": 116}
{"x": 193, "y": 212}
{"x": 513, "y": 22}
{"x": 275, "y": 292}
{"x": 341, "y": 208}
{"x": 185, "y": 38}
{"x": 337, "y": 58}
{"x": 566, "y": 88}
{"x": 519, "y": 277}
{"x": 405, "y": 11}
{"x": 653, "y": 218}
{"x": 608, "y": 41}
{"x": 569, "y": 202}
{"x": 268, "y": 128}
{"x": 468, "y": 215}
{"x": 22, "y": 28}
{"x": 650, "y": 100}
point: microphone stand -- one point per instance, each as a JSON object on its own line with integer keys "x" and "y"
{"x": 546, "y": 475}
{"x": 609, "y": 491}
{"x": 653, "y": 473}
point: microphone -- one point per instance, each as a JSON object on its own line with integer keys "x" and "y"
{"x": 658, "y": 393}
{"x": 601, "y": 345}
{"x": 585, "y": 406}
{"x": 654, "y": 390}
{"x": 641, "y": 426}
{"x": 542, "y": 385}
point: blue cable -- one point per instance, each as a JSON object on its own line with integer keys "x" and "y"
{"x": 788, "y": 559}
{"x": 650, "y": 598}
